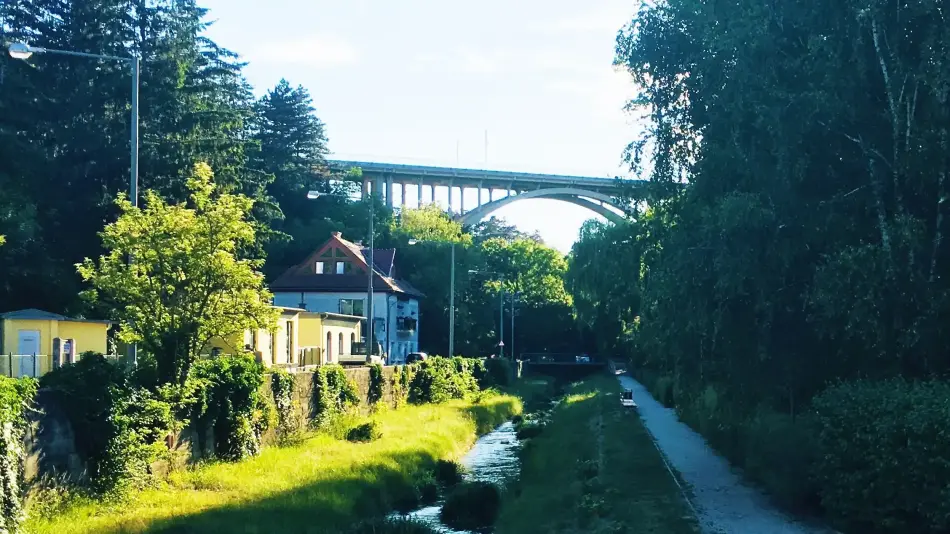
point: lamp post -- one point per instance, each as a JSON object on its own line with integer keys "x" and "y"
{"x": 451, "y": 298}
{"x": 370, "y": 326}
{"x": 501, "y": 309}
{"x": 24, "y": 51}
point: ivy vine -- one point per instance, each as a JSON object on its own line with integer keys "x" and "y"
{"x": 333, "y": 394}
{"x": 228, "y": 400}
{"x": 15, "y": 396}
{"x": 283, "y": 387}
{"x": 375, "y": 393}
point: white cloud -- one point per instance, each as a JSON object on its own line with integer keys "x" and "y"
{"x": 314, "y": 51}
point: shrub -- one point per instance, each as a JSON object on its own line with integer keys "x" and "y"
{"x": 228, "y": 400}
{"x": 499, "y": 372}
{"x": 428, "y": 490}
{"x": 375, "y": 393}
{"x": 364, "y": 432}
{"x": 440, "y": 379}
{"x": 884, "y": 457}
{"x": 529, "y": 430}
{"x": 15, "y": 396}
{"x": 120, "y": 427}
{"x": 448, "y": 473}
{"x": 283, "y": 387}
{"x": 471, "y": 506}
{"x": 333, "y": 394}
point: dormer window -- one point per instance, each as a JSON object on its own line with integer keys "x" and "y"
{"x": 319, "y": 267}
{"x": 340, "y": 267}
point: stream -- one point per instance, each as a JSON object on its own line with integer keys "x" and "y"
{"x": 494, "y": 458}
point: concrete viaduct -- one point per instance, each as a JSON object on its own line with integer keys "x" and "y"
{"x": 595, "y": 194}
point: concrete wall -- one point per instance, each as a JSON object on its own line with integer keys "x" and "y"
{"x": 49, "y": 442}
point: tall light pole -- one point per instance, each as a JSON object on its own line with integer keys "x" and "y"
{"x": 514, "y": 297}
{"x": 370, "y": 345}
{"x": 24, "y": 51}
{"x": 501, "y": 309}
{"x": 451, "y": 298}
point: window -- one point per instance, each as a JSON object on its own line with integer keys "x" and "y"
{"x": 290, "y": 341}
{"x": 340, "y": 344}
{"x": 340, "y": 267}
{"x": 329, "y": 353}
{"x": 320, "y": 267}
{"x": 351, "y": 307}
{"x": 352, "y": 341}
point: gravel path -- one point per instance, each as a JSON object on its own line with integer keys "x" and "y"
{"x": 724, "y": 503}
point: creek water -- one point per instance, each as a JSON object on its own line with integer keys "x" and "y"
{"x": 494, "y": 458}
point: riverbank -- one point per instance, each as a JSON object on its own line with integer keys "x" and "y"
{"x": 594, "y": 468}
{"x": 319, "y": 485}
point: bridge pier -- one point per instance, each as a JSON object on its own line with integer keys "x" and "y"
{"x": 451, "y": 186}
{"x": 420, "y": 192}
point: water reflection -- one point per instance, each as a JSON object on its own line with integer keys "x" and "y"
{"x": 494, "y": 458}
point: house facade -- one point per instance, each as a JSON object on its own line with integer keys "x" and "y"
{"x": 298, "y": 338}
{"x": 35, "y": 341}
{"x": 334, "y": 279}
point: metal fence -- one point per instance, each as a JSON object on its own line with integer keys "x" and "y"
{"x": 17, "y": 365}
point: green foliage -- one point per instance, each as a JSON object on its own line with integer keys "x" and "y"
{"x": 283, "y": 387}
{"x": 498, "y": 373}
{"x": 885, "y": 455}
{"x": 448, "y": 473}
{"x": 16, "y": 395}
{"x": 429, "y": 223}
{"x": 392, "y": 526}
{"x": 440, "y": 379}
{"x": 376, "y": 380}
{"x": 364, "y": 432}
{"x": 471, "y": 506}
{"x": 333, "y": 394}
{"x": 123, "y": 426}
{"x": 190, "y": 280}
{"x": 228, "y": 401}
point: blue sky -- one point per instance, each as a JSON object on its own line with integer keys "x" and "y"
{"x": 420, "y": 81}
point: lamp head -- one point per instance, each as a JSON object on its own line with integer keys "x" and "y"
{"x": 21, "y": 50}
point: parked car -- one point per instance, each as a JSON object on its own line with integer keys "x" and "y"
{"x": 626, "y": 399}
{"x": 414, "y": 357}
{"x": 374, "y": 359}
{"x": 583, "y": 358}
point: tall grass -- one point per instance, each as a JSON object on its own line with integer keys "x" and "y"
{"x": 319, "y": 485}
{"x": 593, "y": 468}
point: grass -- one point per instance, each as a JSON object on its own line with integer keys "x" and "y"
{"x": 322, "y": 484}
{"x": 594, "y": 468}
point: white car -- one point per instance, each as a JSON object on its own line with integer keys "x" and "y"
{"x": 626, "y": 399}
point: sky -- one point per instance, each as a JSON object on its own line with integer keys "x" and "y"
{"x": 422, "y": 81}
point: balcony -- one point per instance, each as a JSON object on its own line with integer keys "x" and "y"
{"x": 405, "y": 325}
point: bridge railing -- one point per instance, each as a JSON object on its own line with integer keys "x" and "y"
{"x": 561, "y": 357}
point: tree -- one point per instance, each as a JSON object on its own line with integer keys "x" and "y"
{"x": 189, "y": 280}
{"x": 495, "y": 227}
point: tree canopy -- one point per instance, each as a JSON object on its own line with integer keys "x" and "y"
{"x": 189, "y": 278}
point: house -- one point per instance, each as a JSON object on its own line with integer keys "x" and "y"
{"x": 334, "y": 279}
{"x": 35, "y": 341}
{"x": 297, "y": 339}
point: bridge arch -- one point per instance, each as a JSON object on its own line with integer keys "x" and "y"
{"x": 579, "y": 197}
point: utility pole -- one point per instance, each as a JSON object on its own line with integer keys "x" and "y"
{"x": 370, "y": 326}
{"x": 514, "y": 297}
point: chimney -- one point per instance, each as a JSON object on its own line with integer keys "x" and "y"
{"x": 337, "y": 234}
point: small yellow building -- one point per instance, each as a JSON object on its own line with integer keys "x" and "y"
{"x": 34, "y": 341}
{"x": 299, "y": 338}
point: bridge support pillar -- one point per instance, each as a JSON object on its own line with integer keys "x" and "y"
{"x": 402, "y": 193}
{"x": 432, "y": 191}
{"x": 364, "y": 191}
{"x": 481, "y": 185}
{"x": 462, "y": 199}
{"x": 378, "y": 187}
{"x": 420, "y": 192}
{"x": 451, "y": 186}
{"x": 389, "y": 190}
{"x": 491, "y": 195}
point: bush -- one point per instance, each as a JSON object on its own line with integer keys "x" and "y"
{"x": 448, "y": 473}
{"x": 529, "y": 430}
{"x": 375, "y": 393}
{"x": 364, "y": 432}
{"x": 440, "y": 379}
{"x": 228, "y": 400}
{"x": 120, "y": 428}
{"x": 15, "y": 396}
{"x": 499, "y": 372}
{"x": 333, "y": 394}
{"x": 884, "y": 457}
{"x": 428, "y": 490}
{"x": 471, "y": 506}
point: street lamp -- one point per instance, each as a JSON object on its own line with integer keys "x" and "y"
{"x": 501, "y": 309}
{"x": 370, "y": 326}
{"x": 451, "y": 299}
{"x": 24, "y": 51}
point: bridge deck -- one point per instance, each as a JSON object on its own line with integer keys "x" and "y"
{"x": 460, "y": 177}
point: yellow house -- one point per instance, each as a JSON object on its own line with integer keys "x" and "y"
{"x": 299, "y": 338}
{"x": 34, "y": 341}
